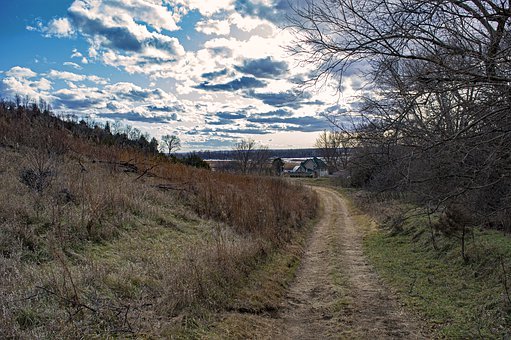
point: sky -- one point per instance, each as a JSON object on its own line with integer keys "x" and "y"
{"x": 209, "y": 71}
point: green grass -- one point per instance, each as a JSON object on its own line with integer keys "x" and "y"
{"x": 458, "y": 299}
{"x": 455, "y": 298}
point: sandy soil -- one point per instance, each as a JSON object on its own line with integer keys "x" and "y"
{"x": 337, "y": 293}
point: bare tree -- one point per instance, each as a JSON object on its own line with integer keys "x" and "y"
{"x": 436, "y": 121}
{"x": 250, "y": 157}
{"x": 334, "y": 147}
{"x": 467, "y": 40}
{"x": 171, "y": 142}
{"x": 242, "y": 151}
{"x": 261, "y": 160}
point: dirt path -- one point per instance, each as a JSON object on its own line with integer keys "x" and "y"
{"x": 337, "y": 293}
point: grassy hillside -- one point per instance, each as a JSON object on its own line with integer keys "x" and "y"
{"x": 100, "y": 238}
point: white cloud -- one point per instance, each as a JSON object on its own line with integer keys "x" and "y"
{"x": 244, "y": 23}
{"x": 213, "y": 27}
{"x": 19, "y": 81}
{"x": 97, "y": 80}
{"x": 20, "y": 72}
{"x": 157, "y": 16}
{"x": 205, "y": 7}
{"x": 76, "y": 54}
{"x": 43, "y": 84}
{"x": 92, "y": 52}
{"x": 60, "y": 28}
{"x": 66, "y": 75}
{"x": 19, "y": 86}
{"x": 133, "y": 36}
{"x": 75, "y": 77}
{"x": 73, "y": 65}
{"x": 126, "y": 34}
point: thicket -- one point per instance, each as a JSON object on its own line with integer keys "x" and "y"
{"x": 433, "y": 120}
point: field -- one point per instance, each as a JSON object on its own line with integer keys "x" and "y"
{"x": 101, "y": 240}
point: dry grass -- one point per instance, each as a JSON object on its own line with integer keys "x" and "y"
{"x": 89, "y": 249}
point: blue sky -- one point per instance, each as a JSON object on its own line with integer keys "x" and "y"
{"x": 211, "y": 72}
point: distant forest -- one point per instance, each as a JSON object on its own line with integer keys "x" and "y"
{"x": 21, "y": 113}
{"x": 275, "y": 153}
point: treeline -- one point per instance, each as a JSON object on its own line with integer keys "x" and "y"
{"x": 40, "y": 114}
{"x": 20, "y": 118}
{"x": 273, "y": 153}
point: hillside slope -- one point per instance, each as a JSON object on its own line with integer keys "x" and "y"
{"x": 99, "y": 238}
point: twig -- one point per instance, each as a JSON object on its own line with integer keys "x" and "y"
{"x": 24, "y": 299}
{"x": 169, "y": 187}
{"x": 71, "y": 302}
{"x": 145, "y": 172}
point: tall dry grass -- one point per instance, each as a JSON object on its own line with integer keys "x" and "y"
{"x": 99, "y": 240}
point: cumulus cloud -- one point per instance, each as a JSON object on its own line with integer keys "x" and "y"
{"x": 20, "y": 72}
{"x": 213, "y": 27}
{"x": 75, "y": 77}
{"x": 76, "y": 54}
{"x": 206, "y": 8}
{"x": 119, "y": 100}
{"x": 60, "y": 28}
{"x": 291, "y": 99}
{"x": 137, "y": 117}
{"x": 232, "y": 115}
{"x": 43, "y": 84}
{"x": 126, "y": 33}
{"x": 275, "y": 113}
{"x": 115, "y": 26}
{"x": 233, "y": 85}
{"x": 271, "y": 10}
{"x": 79, "y": 99}
{"x": 237, "y": 130}
{"x": 125, "y": 90}
{"x": 263, "y": 68}
{"x": 305, "y": 124}
{"x": 215, "y": 74}
{"x": 20, "y": 81}
{"x": 233, "y": 78}
{"x": 245, "y": 23}
{"x": 66, "y": 75}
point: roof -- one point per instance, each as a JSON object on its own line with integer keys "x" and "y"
{"x": 290, "y": 166}
{"x": 320, "y": 163}
{"x": 317, "y": 163}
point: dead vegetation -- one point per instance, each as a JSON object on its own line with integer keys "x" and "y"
{"x": 99, "y": 239}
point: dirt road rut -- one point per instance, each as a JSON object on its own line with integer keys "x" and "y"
{"x": 337, "y": 293}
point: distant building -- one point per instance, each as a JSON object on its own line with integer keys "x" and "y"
{"x": 289, "y": 167}
{"x": 312, "y": 167}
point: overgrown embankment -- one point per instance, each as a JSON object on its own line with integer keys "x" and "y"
{"x": 459, "y": 297}
{"x": 107, "y": 238}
